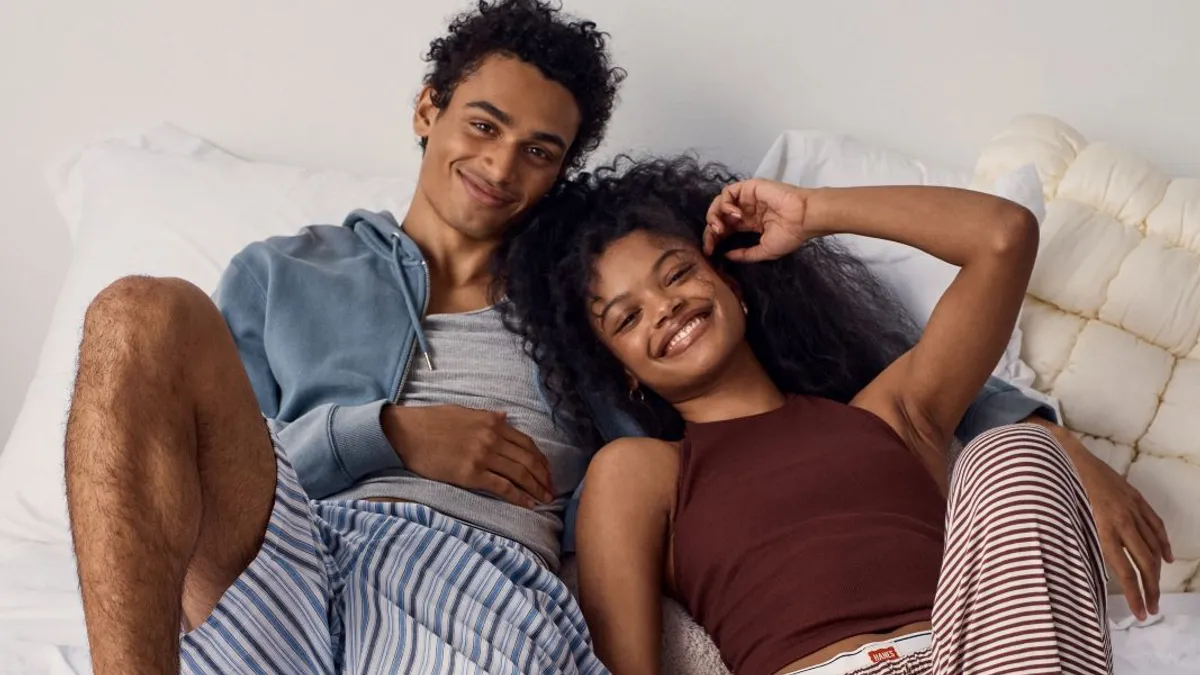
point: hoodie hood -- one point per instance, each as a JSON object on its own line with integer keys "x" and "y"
{"x": 378, "y": 229}
{"x": 384, "y": 235}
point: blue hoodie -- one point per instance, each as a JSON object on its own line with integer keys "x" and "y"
{"x": 328, "y": 324}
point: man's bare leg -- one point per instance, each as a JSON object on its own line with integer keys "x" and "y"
{"x": 170, "y": 472}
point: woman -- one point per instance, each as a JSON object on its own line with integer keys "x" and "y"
{"x": 796, "y": 499}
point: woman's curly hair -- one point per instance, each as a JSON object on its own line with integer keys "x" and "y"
{"x": 569, "y": 51}
{"x": 818, "y": 320}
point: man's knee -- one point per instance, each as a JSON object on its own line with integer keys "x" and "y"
{"x": 138, "y": 313}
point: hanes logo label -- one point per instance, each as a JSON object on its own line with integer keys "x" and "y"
{"x": 885, "y": 654}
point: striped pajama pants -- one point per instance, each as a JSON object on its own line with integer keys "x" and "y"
{"x": 364, "y": 587}
{"x": 1022, "y": 585}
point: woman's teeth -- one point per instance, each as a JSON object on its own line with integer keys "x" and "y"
{"x": 684, "y": 332}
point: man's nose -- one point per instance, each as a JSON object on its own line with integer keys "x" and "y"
{"x": 500, "y": 164}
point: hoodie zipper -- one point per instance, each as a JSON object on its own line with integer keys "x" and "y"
{"x": 412, "y": 349}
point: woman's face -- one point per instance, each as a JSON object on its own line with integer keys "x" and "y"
{"x": 665, "y": 313}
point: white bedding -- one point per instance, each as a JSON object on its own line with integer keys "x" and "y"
{"x": 41, "y": 621}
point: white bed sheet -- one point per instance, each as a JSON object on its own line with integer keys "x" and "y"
{"x": 42, "y": 633}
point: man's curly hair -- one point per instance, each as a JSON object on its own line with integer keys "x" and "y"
{"x": 819, "y": 322}
{"x": 569, "y": 51}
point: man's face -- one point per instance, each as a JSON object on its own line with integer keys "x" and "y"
{"x": 497, "y": 147}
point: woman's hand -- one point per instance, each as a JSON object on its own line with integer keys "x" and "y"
{"x": 777, "y": 211}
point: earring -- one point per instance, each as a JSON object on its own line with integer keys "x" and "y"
{"x": 640, "y": 395}
{"x": 745, "y": 309}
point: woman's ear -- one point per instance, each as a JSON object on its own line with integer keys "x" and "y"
{"x": 632, "y": 381}
{"x": 736, "y": 288}
{"x": 424, "y": 113}
{"x": 732, "y": 283}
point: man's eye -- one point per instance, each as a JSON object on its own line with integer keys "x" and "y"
{"x": 539, "y": 152}
{"x": 483, "y": 126}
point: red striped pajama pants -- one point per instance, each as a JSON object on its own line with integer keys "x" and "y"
{"x": 1022, "y": 585}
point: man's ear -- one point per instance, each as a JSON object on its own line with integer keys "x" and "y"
{"x": 424, "y": 113}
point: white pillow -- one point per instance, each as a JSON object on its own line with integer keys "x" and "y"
{"x": 821, "y": 159}
{"x": 160, "y": 203}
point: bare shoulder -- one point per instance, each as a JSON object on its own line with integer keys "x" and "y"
{"x": 641, "y": 450}
{"x": 635, "y": 464}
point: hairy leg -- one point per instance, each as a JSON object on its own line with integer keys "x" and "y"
{"x": 170, "y": 471}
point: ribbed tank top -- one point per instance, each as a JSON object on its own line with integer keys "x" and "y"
{"x": 800, "y": 527}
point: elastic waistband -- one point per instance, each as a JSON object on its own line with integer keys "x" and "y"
{"x": 871, "y": 654}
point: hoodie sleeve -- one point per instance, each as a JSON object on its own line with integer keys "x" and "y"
{"x": 1000, "y": 403}
{"x": 243, "y": 302}
{"x": 330, "y": 446}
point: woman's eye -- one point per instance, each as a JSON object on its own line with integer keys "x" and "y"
{"x": 626, "y": 322}
{"x": 679, "y": 274}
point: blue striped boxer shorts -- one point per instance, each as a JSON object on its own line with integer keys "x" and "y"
{"x": 364, "y": 587}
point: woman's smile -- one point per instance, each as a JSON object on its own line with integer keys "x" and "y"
{"x": 687, "y": 334}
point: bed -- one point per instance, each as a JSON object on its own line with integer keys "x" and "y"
{"x": 1110, "y": 331}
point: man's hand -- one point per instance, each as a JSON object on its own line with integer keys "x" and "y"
{"x": 473, "y": 449}
{"x": 777, "y": 211}
{"x": 1124, "y": 521}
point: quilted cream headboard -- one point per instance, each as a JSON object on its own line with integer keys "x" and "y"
{"x": 1112, "y": 321}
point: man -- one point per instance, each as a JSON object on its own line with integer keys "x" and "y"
{"x": 184, "y": 514}
{"x": 376, "y": 353}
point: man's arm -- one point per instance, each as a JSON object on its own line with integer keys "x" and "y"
{"x": 330, "y": 446}
{"x": 1125, "y": 522}
{"x": 333, "y": 446}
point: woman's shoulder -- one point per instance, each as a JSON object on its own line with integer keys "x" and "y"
{"x": 654, "y": 449}
{"x": 650, "y": 460}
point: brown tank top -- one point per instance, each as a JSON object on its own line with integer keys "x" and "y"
{"x": 801, "y": 527}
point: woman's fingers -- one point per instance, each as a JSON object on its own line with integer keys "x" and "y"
{"x": 714, "y": 229}
{"x": 734, "y": 210}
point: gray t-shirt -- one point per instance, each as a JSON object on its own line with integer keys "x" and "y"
{"x": 479, "y": 364}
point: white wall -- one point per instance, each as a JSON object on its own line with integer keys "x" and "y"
{"x": 330, "y": 83}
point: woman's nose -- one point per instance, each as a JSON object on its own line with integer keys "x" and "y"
{"x": 669, "y": 306}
